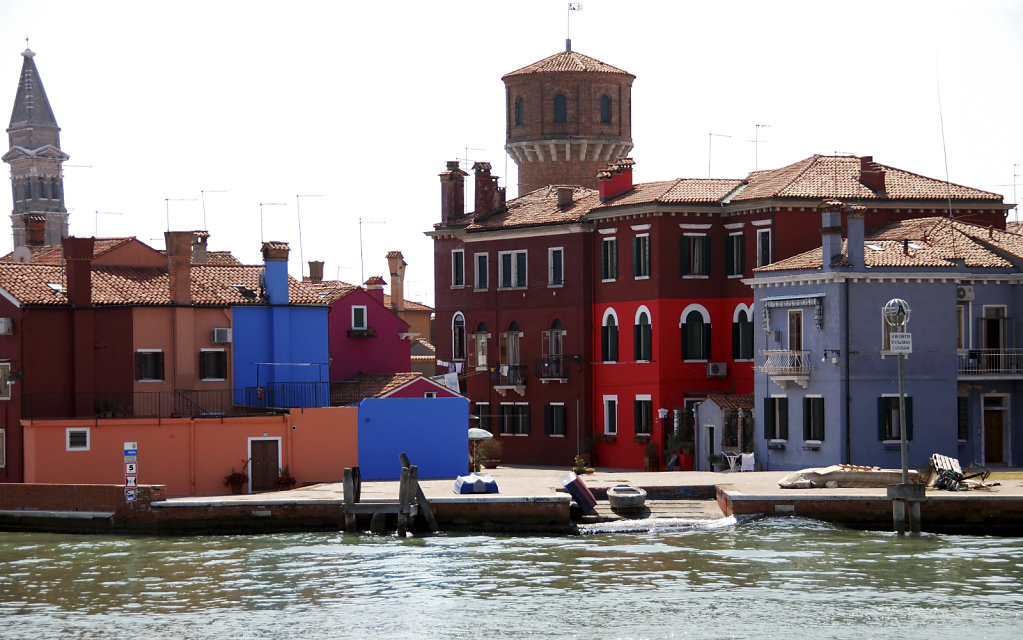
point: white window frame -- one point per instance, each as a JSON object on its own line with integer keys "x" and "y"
{"x": 5, "y": 381}
{"x": 640, "y": 312}
{"x": 224, "y": 351}
{"x": 643, "y": 397}
{"x": 740, "y": 308}
{"x": 642, "y": 265}
{"x": 481, "y": 277}
{"x": 455, "y": 355}
{"x": 770, "y": 248}
{"x": 164, "y": 364}
{"x": 612, "y": 252}
{"x": 479, "y": 347}
{"x": 515, "y": 279}
{"x": 457, "y": 279}
{"x": 3, "y": 448}
{"x": 607, "y": 430}
{"x": 365, "y": 318}
{"x": 551, "y": 253}
{"x": 696, "y": 242}
{"x": 816, "y": 396}
{"x": 429, "y": 394}
{"x": 564, "y": 423}
{"x": 67, "y": 438}
{"x": 735, "y": 239}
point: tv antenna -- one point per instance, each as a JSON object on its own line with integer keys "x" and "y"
{"x": 170, "y": 200}
{"x": 362, "y": 263}
{"x": 756, "y": 144}
{"x": 298, "y": 209}
{"x": 261, "y": 205}
{"x": 710, "y": 142}
{"x": 1015, "y": 181}
{"x": 202, "y": 194}
{"x": 465, "y": 185}
{"x": 103, "y": 213}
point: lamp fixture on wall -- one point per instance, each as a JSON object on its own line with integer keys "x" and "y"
{"x": 832, "y": 354}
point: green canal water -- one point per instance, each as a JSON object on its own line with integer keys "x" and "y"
{"x": 778, "y": 578}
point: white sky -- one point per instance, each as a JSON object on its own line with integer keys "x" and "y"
{"x": 363, "y": 102}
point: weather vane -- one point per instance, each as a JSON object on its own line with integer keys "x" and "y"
{"x": 572, "y": 6}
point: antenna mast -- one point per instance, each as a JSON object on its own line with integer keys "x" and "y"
{"x": 202, "y": 194}
{"x": 298, "y": 207}
{"x": 261, "y": 205}
{"x": 362, "y": 262}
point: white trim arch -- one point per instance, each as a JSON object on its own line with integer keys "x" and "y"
{"x": 610, "y": 311}
{"x": 649, "y": 316}
{"x": 694, "y": 307}
{"x": 741, "y": 307}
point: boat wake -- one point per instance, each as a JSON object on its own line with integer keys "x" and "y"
{"x": 654, "y": 525}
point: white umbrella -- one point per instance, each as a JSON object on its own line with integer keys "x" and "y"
{"x": 476, "y": 434}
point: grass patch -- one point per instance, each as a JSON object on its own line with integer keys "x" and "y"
{"x": 1006, "y": 475}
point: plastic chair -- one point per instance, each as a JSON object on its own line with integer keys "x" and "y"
{"x": 746, "y": 462}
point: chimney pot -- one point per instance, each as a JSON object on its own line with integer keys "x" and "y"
{"x": 315, "y": 271}
{"x": 565, "y": 196}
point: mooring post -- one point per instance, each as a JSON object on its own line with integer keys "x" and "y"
{"x": 404, "y": 501}
{"x": 906, "y": 499}
{"x": 350, "y": 499}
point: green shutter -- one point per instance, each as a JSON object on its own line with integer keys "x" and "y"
{"x": 635, "y": 256}
{"x": 729, "y": 256}
{"x": 742, "y": 255}
{"x": 706, "y": 341}
{"x": 705, "y": 256}
{"x": 819, "y": 418}
{"x": 525, "y": 418}
{"x": 881, "y": 406}
{"x": 683, "y": 252}
{"x": 736, "y": 354}
{"x": 685, "y": 341}
{"x": 807, "y": 419}
{"x": 783, "y": 417}
{"x": 548, "y": 419}
{"x": 769, "y": 418}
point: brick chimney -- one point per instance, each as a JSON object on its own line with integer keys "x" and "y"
{"x": 871, "y": 174}
{"x": 79, "y": 253}
{"x": 616, "y": 179}
{"x": 275, "y": 272}
{"x": 179, "y": 265}
{"x": 199, "y": 239}
{"x": 397, "y": 264}
{"x": 854, "y": 236}
{"x": 315, "y": 271}
{"x": 375, "y": 288}
{"x": 565, "y": 196}
{"x": 831, "y": 234}
{"x": 452, "y": 193}
{"x": 489, "y": 196}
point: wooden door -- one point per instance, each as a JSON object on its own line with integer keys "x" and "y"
{"x": 264, "y": 465}
{"x": 993, "y": 436}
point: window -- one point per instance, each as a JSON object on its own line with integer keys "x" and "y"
{"x": 813, "y": 418}
{"x": 76, "y": 439}
{"x": 478, "y": 357}
{"x": 960, "y": 327}
{"x": 962, "y": 407}
{"x": 520, "y": 112}
{"x": 457, "y": 268}
{"x": 560, "y": 108}
{"x": 642, "y": 338}
{"x": 742, "y": 335}
{"x": 776, "y": 418}
{"x": 644, "y": 410}
{"x": 513, "y": 269}
{"x": 610, "y": 415}
{"x": 482, "y": 267}
{"x": 641, "y": 256}
{"x": 5, "y": 380}
{"x": 795, "y": 330}
{"x": 609, "y": 338}
{"x": 735, "y": 255}
{"x": 429, "y": 394}
{"x": 609, "y": 259}
{"x": 763, "y": 247}
{"x": 458, "y": 337}
{"x": 3, "y": 448}
{"x": 514, "y": 418}
{"x": 695, "y": 252}
{"x": 359, "y": 322}
{"x": 511, "y": 372}
{"x": 553, "y": 364}
{"x": 695, "y": 334}
{"x": 888, "y": 418}
{"x": 555, "y": 266}
{"x": 554, "y": 419}
{"x": 212, "y": 364}
{"x": 605, "y": 110}
{"x": 149, "y": 365}
{"x": 483, "y": 416}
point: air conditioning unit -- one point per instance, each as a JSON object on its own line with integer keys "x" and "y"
{"x": 964, "y": 293}
{"x": 222, "y": 335}
{"x": 6, "y": 326}
{"x": 717, "y": 369}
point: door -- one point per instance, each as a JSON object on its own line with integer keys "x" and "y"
{"x": 265, "y": 463}
{"x": 994, "y": 421}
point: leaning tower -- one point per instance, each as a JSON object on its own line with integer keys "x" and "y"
{"x": 567, "y": 116}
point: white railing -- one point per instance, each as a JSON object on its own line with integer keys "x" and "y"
{"x": 783, "y": 362}
{"x": 991, "y": 362}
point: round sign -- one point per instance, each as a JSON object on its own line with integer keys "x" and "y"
{"x": 896, "y": 312}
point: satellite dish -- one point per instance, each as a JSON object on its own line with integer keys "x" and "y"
{"x": 22, "y": 254}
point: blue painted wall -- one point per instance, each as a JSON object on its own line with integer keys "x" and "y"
{"x": 434, "y": 432}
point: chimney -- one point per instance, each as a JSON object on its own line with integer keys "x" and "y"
{"x": 315, "y": 271}
{"x": 615, "y": 180}
{"x": 79, "y": 253}
{"x": 871, "y": 174}
{"x": 375, "y": 288}
{"x": 179, "y": 266}
{"x": 397, "y": 264}
{"x": 854, "y": 236}
{"x": 199, "y": 239}
{"x": 565, "y": 196}
{"x": 831, "y": 234}
{"x": 489, "y": 196}
{"x": 275, "y": 272}
{"x": 452, "y": 193}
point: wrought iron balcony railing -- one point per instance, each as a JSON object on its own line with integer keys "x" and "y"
{"x": 783, "y": 362}
{"x": 551, "y": 367}
{"x": 991, "y": 362}
{"x": 508, "y": 375}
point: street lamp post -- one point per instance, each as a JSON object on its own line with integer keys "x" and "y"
{"x": 896, "y": 314}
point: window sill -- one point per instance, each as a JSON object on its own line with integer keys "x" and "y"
{"x": 695, "y": 276}
{"x": 608, "y": 437}
{"x": 149, "y": 380}
{"x": 642, "y": 438}
{"x": 556, "y": 435}
{"x": 603, "y": 280}
{"x": 553, "y": 285}
{"x": 480, "y": 290}
{"x": 212, "y": 379}
{"x": 776, "y": 444}
{"x": 362, "y": 333}
{"x": 522, "y": 288}
{"x": 640, "y": 277}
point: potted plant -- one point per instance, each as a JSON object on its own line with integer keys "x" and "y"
{"x": 284, "y": 479}
{"x": 488, "y": 452}
{"x": 237, "y": 479}
{"x": 579, "y": 466}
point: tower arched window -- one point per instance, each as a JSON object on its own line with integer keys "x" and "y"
{"x": 609, "y": 338}
{"x": 458, "y": 337}
{"x": 520, "y": 113}
{"x": 642, "y": 337}
{"x": 605, "y": 110}
{"x": 560, "y": 108}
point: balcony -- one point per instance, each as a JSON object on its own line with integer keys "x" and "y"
{"x": 551, "y": 368}
{"x": 999, "y": 364}
{"x": 181, "y": 403}
{"x": 509, "y": 376}
{"x": 784, "y": 366}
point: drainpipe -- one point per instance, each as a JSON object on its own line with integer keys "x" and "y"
{"x": 845, "y": 382}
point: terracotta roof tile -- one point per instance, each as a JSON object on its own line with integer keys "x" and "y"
{"x": 537, "y": 208}
{"x": 680, "y": 191}
{"x": 409, "y": 304}
{"x": 369, "y": 385}
{"x": 567, "y": 61}
{"x": 732, "y": 401}
{"x": 331, "y": 290}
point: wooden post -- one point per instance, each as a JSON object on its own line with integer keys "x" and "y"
{"x": 350, "y": 499}
{"x": 405, "y": 493}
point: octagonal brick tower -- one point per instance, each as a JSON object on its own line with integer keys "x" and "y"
{"x": 567, "y": 116}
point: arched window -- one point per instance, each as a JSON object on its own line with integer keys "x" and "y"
{"x": 520, "y": 112}
{"x": 560, "y": 108}
{"x": 478, "y": 355}
{"x": 609, "y": 338}
{"x": 641, "y": 338}
{"x": 605, "y": 110}
{"x": 742, "y": 334}
{"x": 695, "y": 327}
{"x": 458, "y": 337}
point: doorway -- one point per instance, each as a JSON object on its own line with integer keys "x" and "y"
{"x": 995, "y": 410}
{"x": 264, "y": 463}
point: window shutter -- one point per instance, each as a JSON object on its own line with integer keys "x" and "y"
{"x": 881, "y": 406}
{"x": 706, "y": 341}
{"x": 614, "y": 259}
{"x": 783, "y": 416}
{"x": 524, "y": 428}
{"x": 909, "y": 418}
{"x": 612, "y": 342}
{"x": 605, "y": 347}
{"x": 548, "y": 419}
{"x": 736, "y": 350}
{"x": 637, "y": 416}
{"x": 705, "y": 256}
{"x": 159, "y": 365}
{"x": 685, "y": 340}
{"x": 741, "y": 262}
{"x": 138, "y": 365}
{"x": 807, "y": 418}
{"x": 683, "y": 252}
{"x": 635, "y": 256}
{"x": 729, "y": 256}
{"x": 818, "y": 416}
{"x": 648, "y": 341}
{"x": 637, "y": 342}
{"x": 768, "y": 418}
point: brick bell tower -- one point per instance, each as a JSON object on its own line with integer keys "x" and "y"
{"x": 37, "y": 177}
{"x": 567, "y": 117}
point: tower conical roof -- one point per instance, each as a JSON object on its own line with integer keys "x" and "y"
{"x": 31, "y": 107}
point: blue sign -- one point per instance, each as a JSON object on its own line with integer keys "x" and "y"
{"x": 131, "y": 452}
